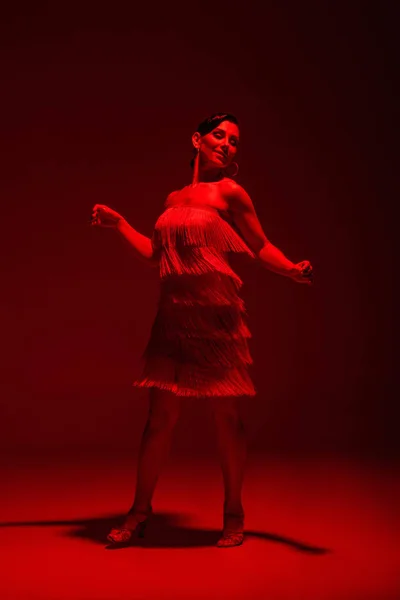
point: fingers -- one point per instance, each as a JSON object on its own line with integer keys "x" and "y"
{"x": 305, "y": 272}
{"x": 304, "y": 265}
{"x": 95, "y": 215}
{"x": 306, "y": 269}
{"x": 308, "y": 278}
{"x": 96, "y": 210}
{"x": 305, "y": 280}
{"x": 94, "y": 220}
{"x": 103, "y": 216}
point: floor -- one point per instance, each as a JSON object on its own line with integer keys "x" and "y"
{"x": 322, "y": 529}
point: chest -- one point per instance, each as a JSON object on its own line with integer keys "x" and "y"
{"x": 202, "y": 194}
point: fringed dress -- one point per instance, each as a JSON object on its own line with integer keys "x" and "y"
{"x": 198, "y": 344}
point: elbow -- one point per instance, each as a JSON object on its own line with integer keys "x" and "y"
{"x": 261, "y": 248}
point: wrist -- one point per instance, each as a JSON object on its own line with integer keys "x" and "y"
{"x": 292, "y": 271}
{"x": 120, "y": 223}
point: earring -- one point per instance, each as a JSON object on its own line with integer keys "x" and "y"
{"x": 233, "y": 173}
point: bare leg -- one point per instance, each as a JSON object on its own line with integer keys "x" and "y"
{"x": 232, "y": 449}
{"x": 164, "y": 410}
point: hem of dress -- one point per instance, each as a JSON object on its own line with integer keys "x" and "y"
{"x": 189, "y": 392}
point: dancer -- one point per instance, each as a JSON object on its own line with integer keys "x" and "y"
{"x": 198, "y": 344}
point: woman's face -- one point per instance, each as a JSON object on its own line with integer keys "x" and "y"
{"x": 219, "y": 147}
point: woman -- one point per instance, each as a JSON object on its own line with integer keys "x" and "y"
{"x": 198, "y": 343}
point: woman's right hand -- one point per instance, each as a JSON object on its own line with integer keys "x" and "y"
{"x": 103, "y": 216}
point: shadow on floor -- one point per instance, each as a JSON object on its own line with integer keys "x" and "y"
{"x": 165, "y": 530}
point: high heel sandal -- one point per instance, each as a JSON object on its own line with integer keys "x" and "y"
{"x": 233, "y": 534}
{"x": 135, "y": 524}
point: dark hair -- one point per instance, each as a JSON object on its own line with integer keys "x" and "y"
{"x": 211, "y": 123}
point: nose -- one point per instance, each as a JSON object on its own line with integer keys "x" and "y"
{"x": 224, "y": 148}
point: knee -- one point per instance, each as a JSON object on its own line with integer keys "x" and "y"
{"x": 228, "y": 419}
{"x": 164, "y": 410}
{"x": 162, "y": 420}
{"x": 226, "y": 412}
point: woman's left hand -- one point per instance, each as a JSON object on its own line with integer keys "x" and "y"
{"x": 303, "y": 273}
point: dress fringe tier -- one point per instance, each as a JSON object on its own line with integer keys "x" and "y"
{"x": 198, "y": 344}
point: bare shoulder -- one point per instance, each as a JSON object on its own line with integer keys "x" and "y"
{"x": 170, "y": 198}
{"x": 235, "y": 195}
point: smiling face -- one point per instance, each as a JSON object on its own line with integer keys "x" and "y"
{"x": 218, "y": 148}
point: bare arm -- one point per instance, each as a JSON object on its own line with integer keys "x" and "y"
{"x": 140, "y": 243}
{"x": 246, "y": 220}
{"x": 104, "y": 216}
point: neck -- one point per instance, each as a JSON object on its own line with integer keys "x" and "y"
{"x": 208, "y": 176}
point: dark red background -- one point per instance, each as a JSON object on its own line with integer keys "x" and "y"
{"x": 98, "y": 106}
